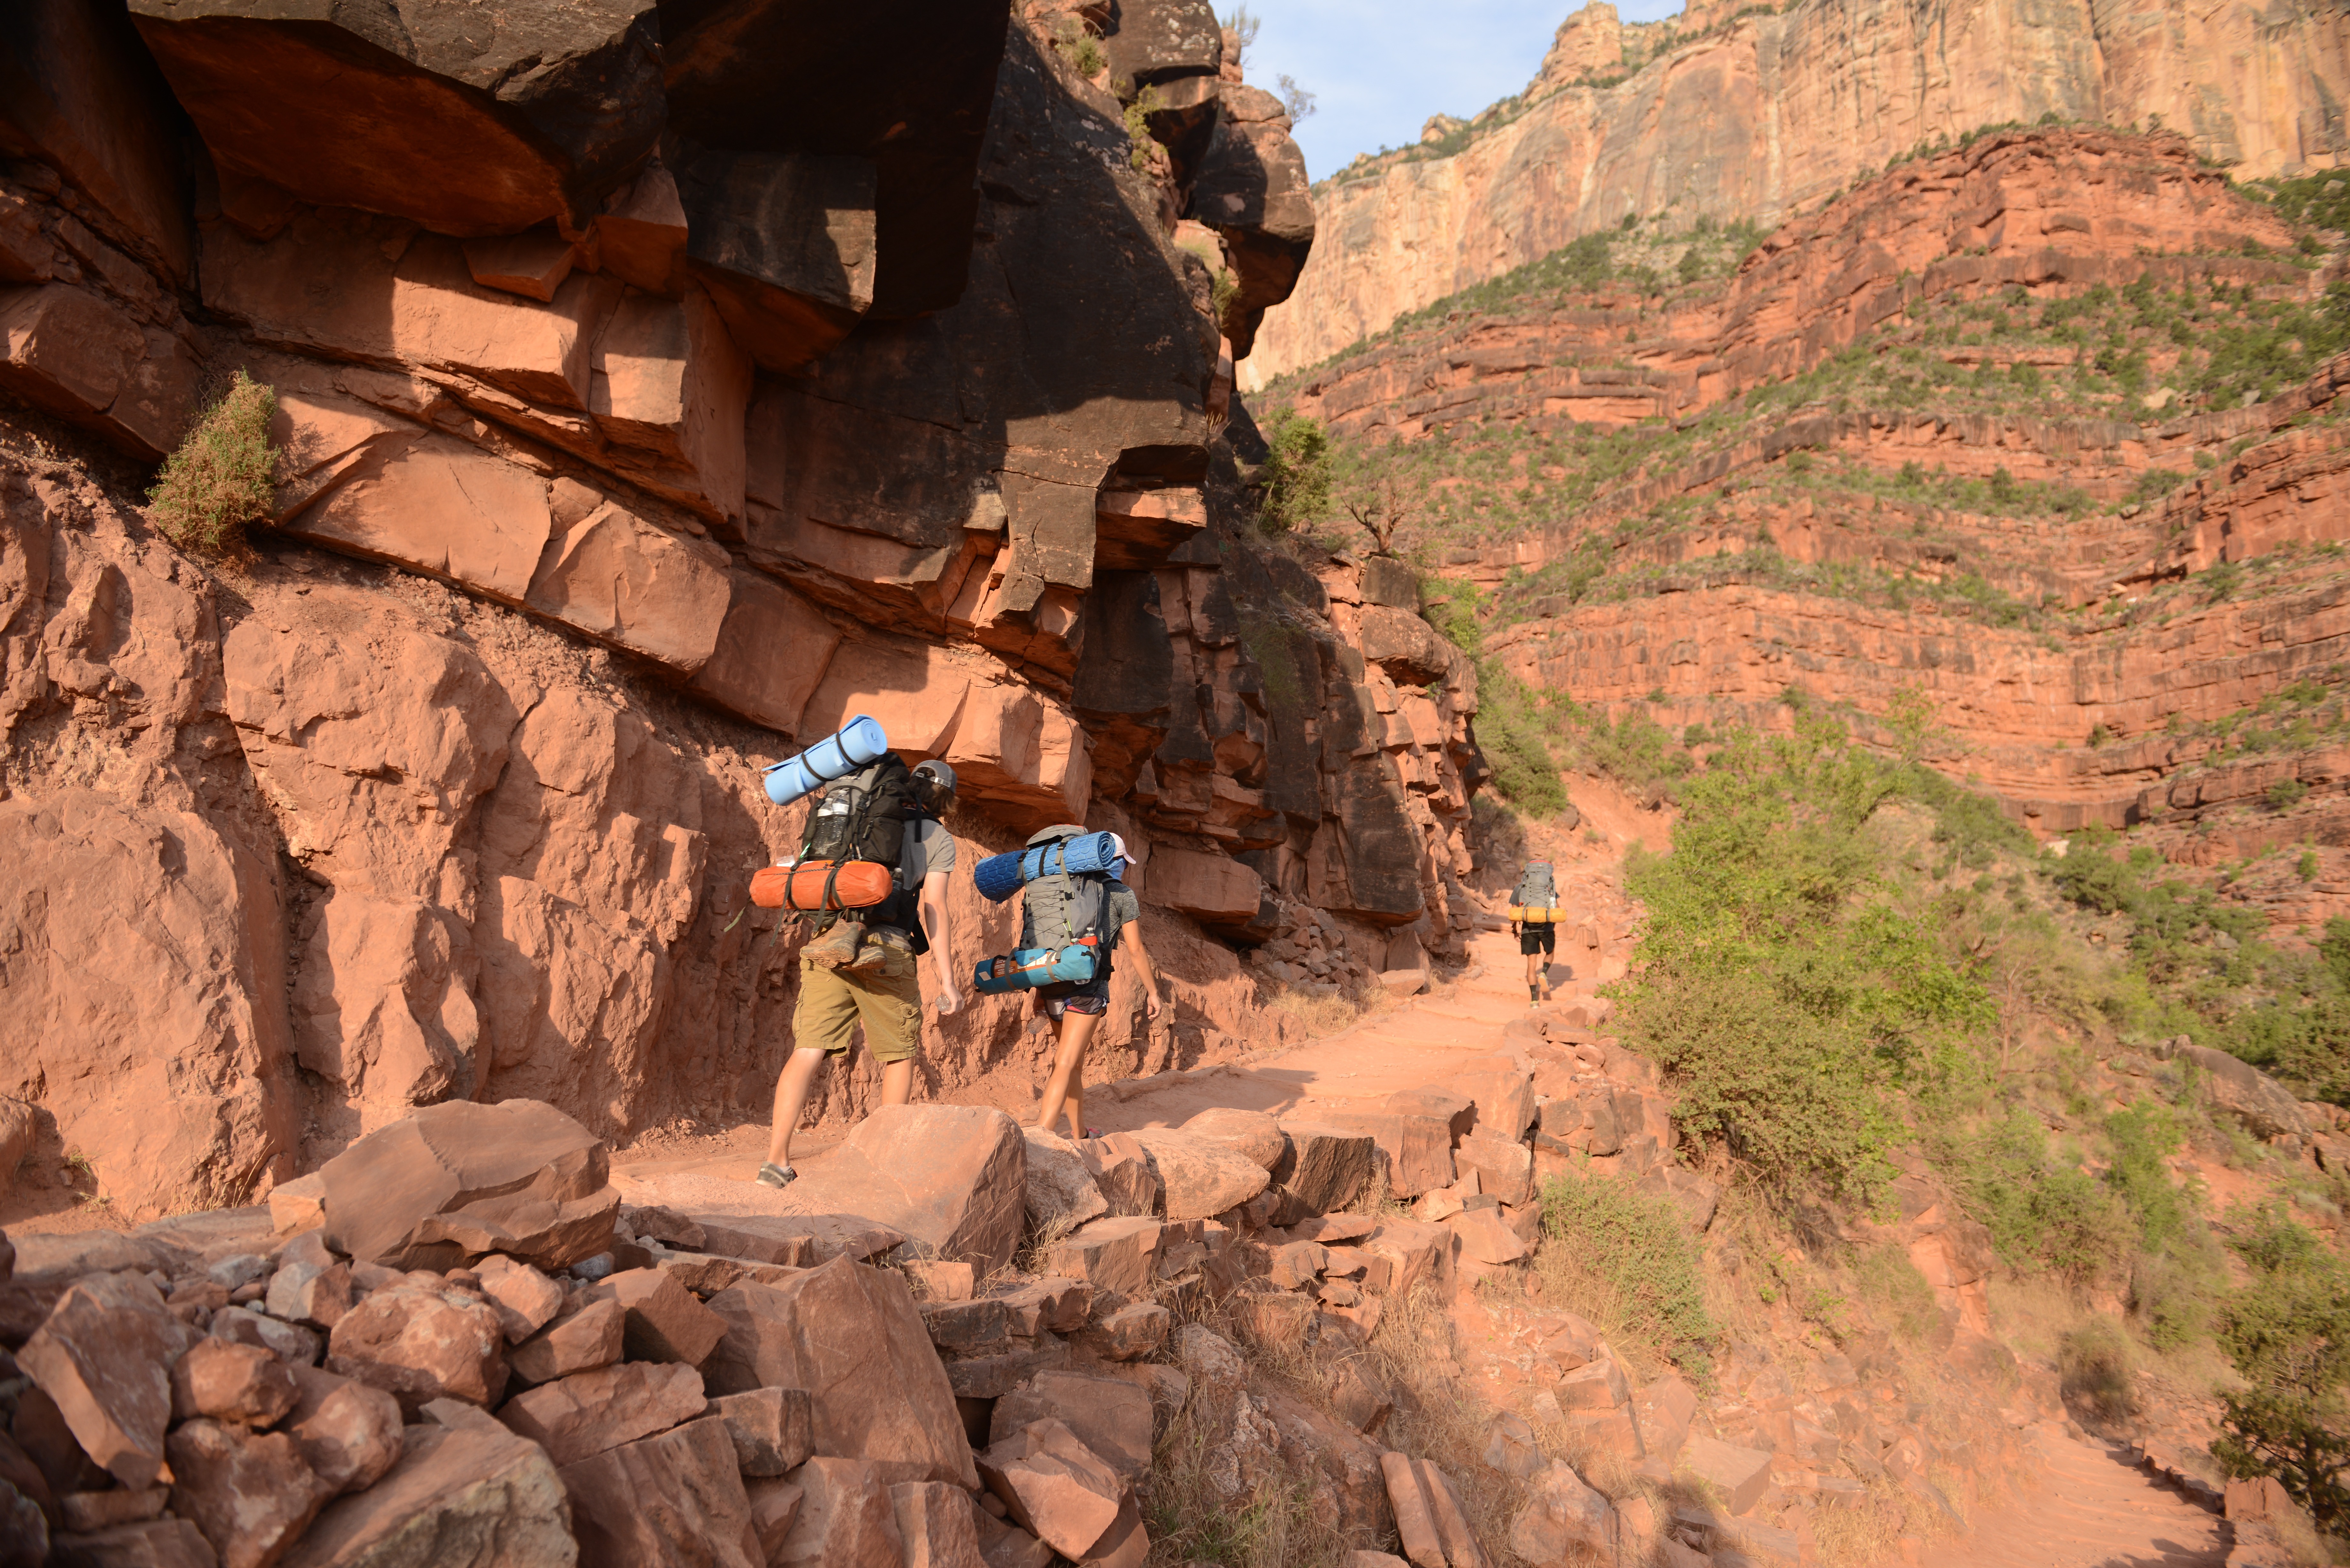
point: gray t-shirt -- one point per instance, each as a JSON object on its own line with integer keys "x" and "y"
{"x": 928, "y": 847}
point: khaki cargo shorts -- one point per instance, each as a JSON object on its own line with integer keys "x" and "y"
{"x": 832, "y": 1004}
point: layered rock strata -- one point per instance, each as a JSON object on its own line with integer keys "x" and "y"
{"x": 1760, "y": 115}
{"x": 651, "y": 439}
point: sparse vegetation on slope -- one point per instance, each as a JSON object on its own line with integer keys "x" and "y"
{"x": 224, "y": 477}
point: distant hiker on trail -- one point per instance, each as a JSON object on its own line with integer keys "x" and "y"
{"x": 872, "y": 878}
{"x": 1534, "y": 917}
{"x": 1064, "y": 907}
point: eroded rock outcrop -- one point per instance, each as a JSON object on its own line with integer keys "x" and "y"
{"x": 655, "y": 392}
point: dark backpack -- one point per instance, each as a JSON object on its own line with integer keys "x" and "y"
{"x": 1059, "y": 908}
{"x": 866, "y": 816}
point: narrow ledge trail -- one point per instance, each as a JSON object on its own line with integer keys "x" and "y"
{"x": 2086, "y": 1508}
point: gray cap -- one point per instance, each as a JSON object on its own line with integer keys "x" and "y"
{"x": 938, "y": 770}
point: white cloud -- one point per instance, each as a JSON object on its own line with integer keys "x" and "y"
{"x": 1378, "y": 68}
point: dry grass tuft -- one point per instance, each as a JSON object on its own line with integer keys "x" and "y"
{"x": 224, "y": 477}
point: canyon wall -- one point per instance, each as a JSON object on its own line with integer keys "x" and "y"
{"x": 656, "y": 387}
{"x": 1761, "y": 115}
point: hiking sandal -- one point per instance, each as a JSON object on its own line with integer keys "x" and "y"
{"x": 777, "y": 1176}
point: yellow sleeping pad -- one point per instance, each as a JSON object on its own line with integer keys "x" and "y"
{"x": 1537, "y": 914}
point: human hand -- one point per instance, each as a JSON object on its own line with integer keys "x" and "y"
{"x": 1151, "y": 1005}
{"x": 947, "y": 1000}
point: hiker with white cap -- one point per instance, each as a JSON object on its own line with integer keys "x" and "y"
{"x": 1091, "y": 907}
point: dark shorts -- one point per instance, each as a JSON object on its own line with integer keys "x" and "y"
{"x": 1538, "y": 937}
{"x": 1091, "y": 997}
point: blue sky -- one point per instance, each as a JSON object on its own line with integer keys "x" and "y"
{"x": 1378, "y": 68}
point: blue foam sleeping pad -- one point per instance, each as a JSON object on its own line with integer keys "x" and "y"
{"x": 1001, "y": 876}
{"x": 1028, "y": 968}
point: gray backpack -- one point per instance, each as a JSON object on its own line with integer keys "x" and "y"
{"x": 1536, "y": 889}
{"x": 1059, "y": 907}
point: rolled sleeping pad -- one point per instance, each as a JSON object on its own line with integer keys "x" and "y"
{"x": 812, "y": 885}
{"x": 858, "y": 744}
{"x": 1001, "y": 876}
{"x": 1025, "y": 969}
{"x": 1537, "y": 914}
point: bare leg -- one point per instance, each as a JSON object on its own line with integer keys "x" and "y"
{"x": 791, "y": 1099}
{"x": 898, "y": 1082}
{"x": 1076, "y": 1101}
{"x": 1068, "y": 1061}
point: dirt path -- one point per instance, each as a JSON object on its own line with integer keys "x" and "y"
{"x": 2094, "y": 1508}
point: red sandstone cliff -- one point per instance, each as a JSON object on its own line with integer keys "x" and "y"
{"x": 1727, "y": 113}
{"x": 656, "y": 388}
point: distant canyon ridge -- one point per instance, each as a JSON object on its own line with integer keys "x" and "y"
{"x": 1744, "y": 111}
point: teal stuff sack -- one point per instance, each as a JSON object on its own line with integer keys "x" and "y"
{"x": 1025, "y": 969}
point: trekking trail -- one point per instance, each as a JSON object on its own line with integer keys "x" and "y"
{"x": 2087, "y": 1508}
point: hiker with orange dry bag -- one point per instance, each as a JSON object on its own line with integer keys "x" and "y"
{"x": 870, "y": 882}
{"x": 1074, "y": 910}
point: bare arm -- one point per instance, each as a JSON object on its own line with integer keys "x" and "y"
{"x": 940, "y": 927}
{"x": 1131, "y": 936}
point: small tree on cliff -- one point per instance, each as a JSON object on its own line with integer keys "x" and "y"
{"x": 1293, "y": 481}
{"x": 1378, "y": 508}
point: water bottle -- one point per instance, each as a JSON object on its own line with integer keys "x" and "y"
{"x": 859, "y": 743}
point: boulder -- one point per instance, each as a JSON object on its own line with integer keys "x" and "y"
{"x": 1503, "y": 1094}
{"x": 456, "y": 1499}
{"x": 1415, "y": 1517}
{"x": 1451, "y": 1519}
{"x": 1156, "y": 41}
{"x": 1214, "y": 889}
{"x": 936, "y": 1525}
{"x": 1060, "y": 1190}
{"x": 1414, "y": 1253}
{"x": 455, "y": 1180}
{"x": 313, "y": 1295}
{"x": 1130, "y": 1333}
{"x": 952, "y": 1177}
{"x": 349, "y": 1432}
{"x": 1121, "y": 1169}
{"x": 669, "y": 383}
{"x": 1485, "y": 1237}
{"x": 1457, "y": 1111}
{"x": 1596, "y": 1386}
{"x": 69, "y": 351}
{"x": 1739, "y": 1475}
{"x": 1329, "y": 1166}
{"x": 774, "y": 1429}
{"x": 1562, "y": 1519}
{"x": 1612, "y": 1431}
{"x": 289, "y": 1341}
{"x": 466, "y": 128}
{"x": 105, "y": 1356}
{"x": 1252, "y": 1134}
{"x": 625, "y": 580}
{"x": 240, "y": 1384}
{"x": 1052, "y": 1305}
{"x": 1198, "y": 1179}
{"x": 1664, "y": 1410}
{"x": 2264, "y": 1105}
{"x": 587, "y": 1339}
{"x": 525, "y": 1300}
{"x": 1056, "y": 1489}
{"x": 1112, "y": 1254}
{"x": 847, "y": 1519}
{"x": 1111, "y": 1416}
{"x": 1504, "y": 1166}
{"x": 1359, "y": 1395}
{"x": 1124, "y": 1544}
{"x": 673, "y": 1499}
{"x": 418, "y": 1344}
{"x": 88, "y": 1512}
{"x": 852, "y": 1337}
{"x": 579, "y": 1416}
{"x": 251, "y": 1494}
{"x": 664, "y": 1322}
{"x": 1510, "y": 1449}
{"x": 1419, "y": 1149}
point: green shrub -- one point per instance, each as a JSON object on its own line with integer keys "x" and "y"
{"x": 1295, "y": 476}
{"x": 1637, "y": 1248}
{"x": 224, "y": 477}
{"x": 2288, "y": 1332}
{"x": 1781, "y": 982}
{"x": 2044, "y": 1214}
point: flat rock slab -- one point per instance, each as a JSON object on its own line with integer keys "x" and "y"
{"x": 467, "y": 1498}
